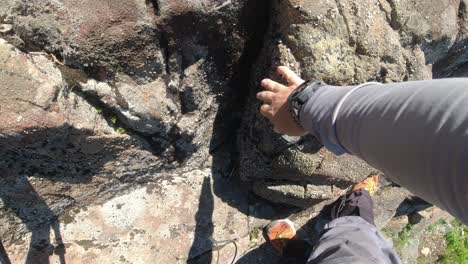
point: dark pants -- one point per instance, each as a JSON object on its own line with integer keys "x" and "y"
{"x": 349, "y": 237}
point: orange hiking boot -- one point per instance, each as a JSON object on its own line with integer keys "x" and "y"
{"x": 369, "y": 184}
{"x": 279, "y": 233}
{"x": 356, "y": 202}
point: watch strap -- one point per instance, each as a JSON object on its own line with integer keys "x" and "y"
{"x": 300, "y": 96}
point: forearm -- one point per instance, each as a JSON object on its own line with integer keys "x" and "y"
{"x": 414, "y": 132}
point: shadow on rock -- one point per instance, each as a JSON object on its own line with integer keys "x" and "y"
{"x": 38, "y": 168}
{"x": 226, "y": 182}
{"x": 204, "y": 226}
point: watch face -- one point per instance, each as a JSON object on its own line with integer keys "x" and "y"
{"x": 299, "y": 89}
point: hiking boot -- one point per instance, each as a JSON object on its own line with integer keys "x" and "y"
{"x": 278, "y": 233}
{"x": 357, "y": 202}
{"x": 369, "y": 184}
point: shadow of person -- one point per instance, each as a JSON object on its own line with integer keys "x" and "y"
{"x": 204, "y": 228}
{"x": 39, "y": 220}
{"x": 39, "y": 168}
{"x": 3, "y": 255}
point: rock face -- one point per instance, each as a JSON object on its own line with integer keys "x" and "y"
{"x": 344, "y": 43}
{"x": 125, "y": 125}
{"x": 104, "y": 98}
{"x": 159, "y": 67}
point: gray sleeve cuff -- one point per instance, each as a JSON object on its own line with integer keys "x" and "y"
{"x": 317, "y": 115}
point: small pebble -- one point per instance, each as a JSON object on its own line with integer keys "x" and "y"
{"x": 4, "y": 28}
{"x": 425, "y": 251}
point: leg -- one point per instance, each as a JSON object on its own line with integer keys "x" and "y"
{"x": 3, "y": 255}
{"x": 351, "y": 236}
{"x": 60, "y": 247}
{"x": 351, "y": 239}
{"x": 40, "y": 248}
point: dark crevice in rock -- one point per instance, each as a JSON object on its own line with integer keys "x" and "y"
{"x": 187, "y": 100}
{"x": 256, "y": 15}
{"x": 409, "y": 70}
{"x": 345, "y": 19}
{"x": 182, "y": 144}
{"x": 394, "y": 23}
{"x": 461, "y": 14}
{"x": 155, "y": 6}
{"x": 174, "y": 145}
{"x": 388, "y": 16}
{"x": 461, "y": 22}
{"x": 164, "y": 45}
{"x": 98, "y": 73}
{"x": 462, "y": 11}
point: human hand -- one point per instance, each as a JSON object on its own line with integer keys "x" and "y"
{"x": 275, "y": 102}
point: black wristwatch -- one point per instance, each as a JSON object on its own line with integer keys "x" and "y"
{"x": 299, "y": 97}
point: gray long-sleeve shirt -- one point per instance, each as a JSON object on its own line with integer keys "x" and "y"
{"x": 414, "y": 132}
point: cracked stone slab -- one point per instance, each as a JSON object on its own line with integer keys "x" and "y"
{"x": 158, "y": 221}
{"x": 33, "y": 95}
{"x": 324, "y": 176}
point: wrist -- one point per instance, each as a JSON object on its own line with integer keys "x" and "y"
{"x": 299, "y": 97}
{"x": 317, "y": 115}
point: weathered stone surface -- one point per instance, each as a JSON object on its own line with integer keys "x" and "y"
{"x": 303, "y": 185}
{"x": 387, "y": 200}
{"x": 157, "y": 66}
{"x": 155, "y": 221}
{"x": 56, "y": 150}
{"x": 115, "y": 114}
{"x": 20, "y": 105}
{"x": 411, "y": 246}
{"x": 432, "y": 24}
{"x": 132, "y": 109}
{"x": 454, "y": 64}
{"x": 75, "y": 190}
{"x": 90, "y": 33}
{"x": 146, "y": 108}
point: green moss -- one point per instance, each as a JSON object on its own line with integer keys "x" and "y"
{"x": 421, "y": 260}
{"x": 457, "y": 245}
{"x": 253, "y": 236}
{"x": 388, "y": 234}
{"x": 113, "y": 119}
{"x": 434, "y": 227}
{"x": 121, "y": 130}
{"x": 403, "y": 237}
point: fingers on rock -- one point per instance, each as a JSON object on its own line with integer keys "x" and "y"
{"x": 290, "y": 76}
{"x": 265, "y": 110}
{"x": 266, "y": 96}
{"x": 271, "y": 85}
